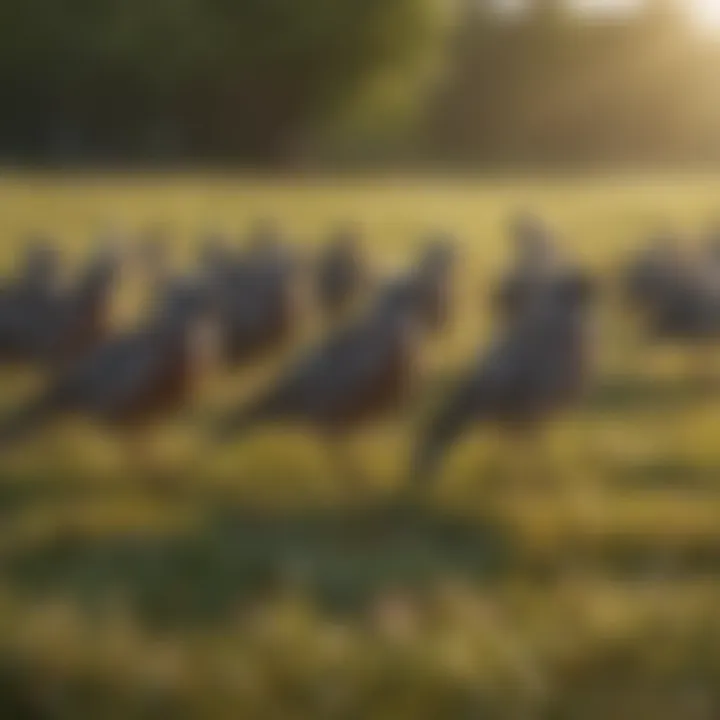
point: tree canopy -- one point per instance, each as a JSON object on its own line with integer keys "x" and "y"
{"x": 270, "y": 81}
{"x": 218, "y": 78}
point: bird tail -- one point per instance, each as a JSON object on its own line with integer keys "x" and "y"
{"x": 28, "y": 420}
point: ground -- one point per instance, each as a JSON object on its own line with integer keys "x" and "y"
{"x": 259, "y": 584}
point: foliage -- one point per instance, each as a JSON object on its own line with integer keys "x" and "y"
{"x": 372, "y": 81}
{"x": 207, "y": 78}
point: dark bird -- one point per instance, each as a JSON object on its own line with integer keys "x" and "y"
{"x": 354, "y": 376}
{"x": 53, "y": 328}
{"x": 676, "y": 293}
{"x": 538, "y": 367}
{"x": 39, "y": 276}
{"x": 342, "y": 274}
{"x": 655, "y": 274}
{"x": 85, "y": 318}
{"x": 259, "y": 302}
{"x": 132, "y": 379}
{"x": 434, "y": 283}
{"x": 536, "y": 265}
{"x": 217, "y": 259}
{"x": 153, "y": 254}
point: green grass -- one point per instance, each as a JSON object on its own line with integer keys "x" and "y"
{"x": 262, "y": 584}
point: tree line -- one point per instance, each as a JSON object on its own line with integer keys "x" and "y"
{"x": 276, "y": 82}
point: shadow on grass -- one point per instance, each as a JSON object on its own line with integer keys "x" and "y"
{"x": 20, "y": 491}
{"x": 664, "y": 474}
{"x": 342, "y": 558}
{"x": 634, "y": 393}
{"x": 611, "y": 395}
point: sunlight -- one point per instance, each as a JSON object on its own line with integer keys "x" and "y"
{"x": 707, "y": 13}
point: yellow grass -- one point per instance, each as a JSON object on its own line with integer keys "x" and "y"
{"x": 260, "y": 585}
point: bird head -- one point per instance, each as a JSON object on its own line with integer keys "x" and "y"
{"x": 346, "y": 238}
{"x": 153, "y": 250}
{"x": 532, "y": 240}
{"x": 440, "y": 253}
{"x": 106, "y": 261}
{"x": 214, "y": 251}
{"x": 110, "y": 249}
{"x": 271, "y": 262}
{"x": 265, "y": 251}
{"x": 42, "y": 261}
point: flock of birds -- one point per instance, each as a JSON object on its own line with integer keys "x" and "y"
{"x": 241, "y": 304}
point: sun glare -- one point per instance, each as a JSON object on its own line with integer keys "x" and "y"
{"x": 707, "y": 13}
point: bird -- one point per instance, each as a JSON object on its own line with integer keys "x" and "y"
{"x": 50, "y": 328}
{"x": 676, "y": 291}
{"x": 39, "y": 276}
{"x": 258, "y": 300}
{"x": 342, "y": 274}
{"x": 655, "y": 273}
{"x": 152, "y": 254}
{"x": 433, "y": 279}
{"x": 132, "y": 379}
{"x": 538, "y": 366}
{"x": 536, "y": 265}
{"x": 355, "y": 375}
{"x": 529, "y": 229}
{"x": 84, "y": 318}
{"x": 217, "y": 260}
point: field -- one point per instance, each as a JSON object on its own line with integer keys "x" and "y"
{"x": 259, "y": 584}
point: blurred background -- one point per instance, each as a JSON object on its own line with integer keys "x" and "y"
{"x": 161, "y": 574}
{"x": 409, "y": 83}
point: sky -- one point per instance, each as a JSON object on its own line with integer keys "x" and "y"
{"x": 706, "y": 13}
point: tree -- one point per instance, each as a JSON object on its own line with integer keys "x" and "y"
{"x": 240, "y": 78}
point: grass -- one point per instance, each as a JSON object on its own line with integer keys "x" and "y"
{"x": 262, "y": 586}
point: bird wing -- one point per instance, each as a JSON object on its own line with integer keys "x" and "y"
{"x": 498, "y": 379}
{"x": 26, "y": 327}
{"x": 502, "y": 366}
{"x": 339, "y": 366}
{"x": 114, "y": 374}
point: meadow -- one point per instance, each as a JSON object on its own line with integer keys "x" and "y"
{"x": 260, "y": 584}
